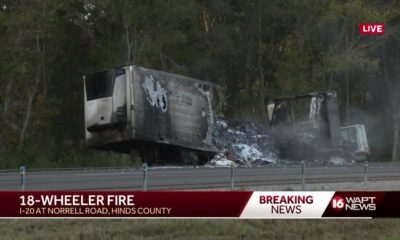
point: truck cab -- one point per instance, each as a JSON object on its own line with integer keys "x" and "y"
{"x": 311, "y": 125}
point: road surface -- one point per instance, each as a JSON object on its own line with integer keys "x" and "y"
{"x": 182, "y": 178}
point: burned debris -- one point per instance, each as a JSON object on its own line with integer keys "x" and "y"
{"x": 242, "y": 143}
{"x": 303, "y": 128}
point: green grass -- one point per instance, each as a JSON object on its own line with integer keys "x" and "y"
{"x": 200, "y": 229}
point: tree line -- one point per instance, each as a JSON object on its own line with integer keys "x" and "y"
{"x": 256, "y": 50}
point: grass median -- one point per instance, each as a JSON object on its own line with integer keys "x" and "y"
{"x": 200, "y": 229}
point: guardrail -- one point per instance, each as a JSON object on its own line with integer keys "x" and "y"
{"x": 195, "y": 177}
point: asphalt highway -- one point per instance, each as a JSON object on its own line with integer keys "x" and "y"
{"x": 183, "y": 178}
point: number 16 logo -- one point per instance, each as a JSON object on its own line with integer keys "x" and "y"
{"x": 337, "y": 203}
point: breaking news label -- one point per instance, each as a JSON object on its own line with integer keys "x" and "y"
{"x": 199, "y": 204}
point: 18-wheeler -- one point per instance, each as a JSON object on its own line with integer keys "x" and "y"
{"x": 163, "y": 115}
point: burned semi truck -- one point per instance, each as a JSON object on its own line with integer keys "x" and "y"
{"x": 158, "y": 114}
{"x": 308, "y": 127}
{"x": 169, "y": 118}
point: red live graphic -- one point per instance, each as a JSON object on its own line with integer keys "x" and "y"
{"x": 371, "y": 28}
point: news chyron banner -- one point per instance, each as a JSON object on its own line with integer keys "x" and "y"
{"x": 199, "y": 204}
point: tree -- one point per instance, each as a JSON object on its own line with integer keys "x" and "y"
{"x": 26, "y": 45}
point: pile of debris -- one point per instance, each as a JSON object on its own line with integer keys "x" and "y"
{"x": 242, "y": 143}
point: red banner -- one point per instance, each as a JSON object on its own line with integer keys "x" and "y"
{"x": 198, "y": 204}
{"x": 122, "y": 204}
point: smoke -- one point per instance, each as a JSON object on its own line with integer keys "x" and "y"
{"x": 250, "y": 144}
{"x": 314, "y": 138}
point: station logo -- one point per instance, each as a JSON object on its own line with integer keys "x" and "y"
{"x": 339, "y": 203}
{"x": 371, "y": 28}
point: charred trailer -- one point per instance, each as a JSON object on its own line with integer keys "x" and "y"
{"x": 161, "y": 115}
